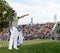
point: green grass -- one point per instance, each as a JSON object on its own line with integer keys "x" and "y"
{"x": 35, "y": 46}
{"x": 28, "y": 42}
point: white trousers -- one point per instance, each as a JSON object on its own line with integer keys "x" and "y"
{"x": 13, "y": 38}
{"x": 20, "y": 40}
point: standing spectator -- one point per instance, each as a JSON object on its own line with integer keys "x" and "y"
{"x": 20, "y": 32}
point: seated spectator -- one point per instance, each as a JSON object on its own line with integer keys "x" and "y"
{"x": 4, "y": 35}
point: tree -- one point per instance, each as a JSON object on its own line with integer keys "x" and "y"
{"x": 5, "y": 12}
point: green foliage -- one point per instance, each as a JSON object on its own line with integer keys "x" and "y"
{"x": 5, "y": 24}
{"x": 5, "y": 12}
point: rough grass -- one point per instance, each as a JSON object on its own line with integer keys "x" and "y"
{"x": 35, "y": 46}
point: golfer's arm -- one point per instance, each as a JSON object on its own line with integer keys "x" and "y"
{"x": 23, "y": 16}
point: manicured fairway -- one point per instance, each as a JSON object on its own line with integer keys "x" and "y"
{"x": 34, "y": 46}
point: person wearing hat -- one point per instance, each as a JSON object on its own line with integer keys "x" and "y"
{"x": 14, "y": 29}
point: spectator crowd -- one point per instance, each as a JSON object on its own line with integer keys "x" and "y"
{"x": 35, "y": 31}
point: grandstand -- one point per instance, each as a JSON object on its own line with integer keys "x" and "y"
{"x": 38, "y": 31}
